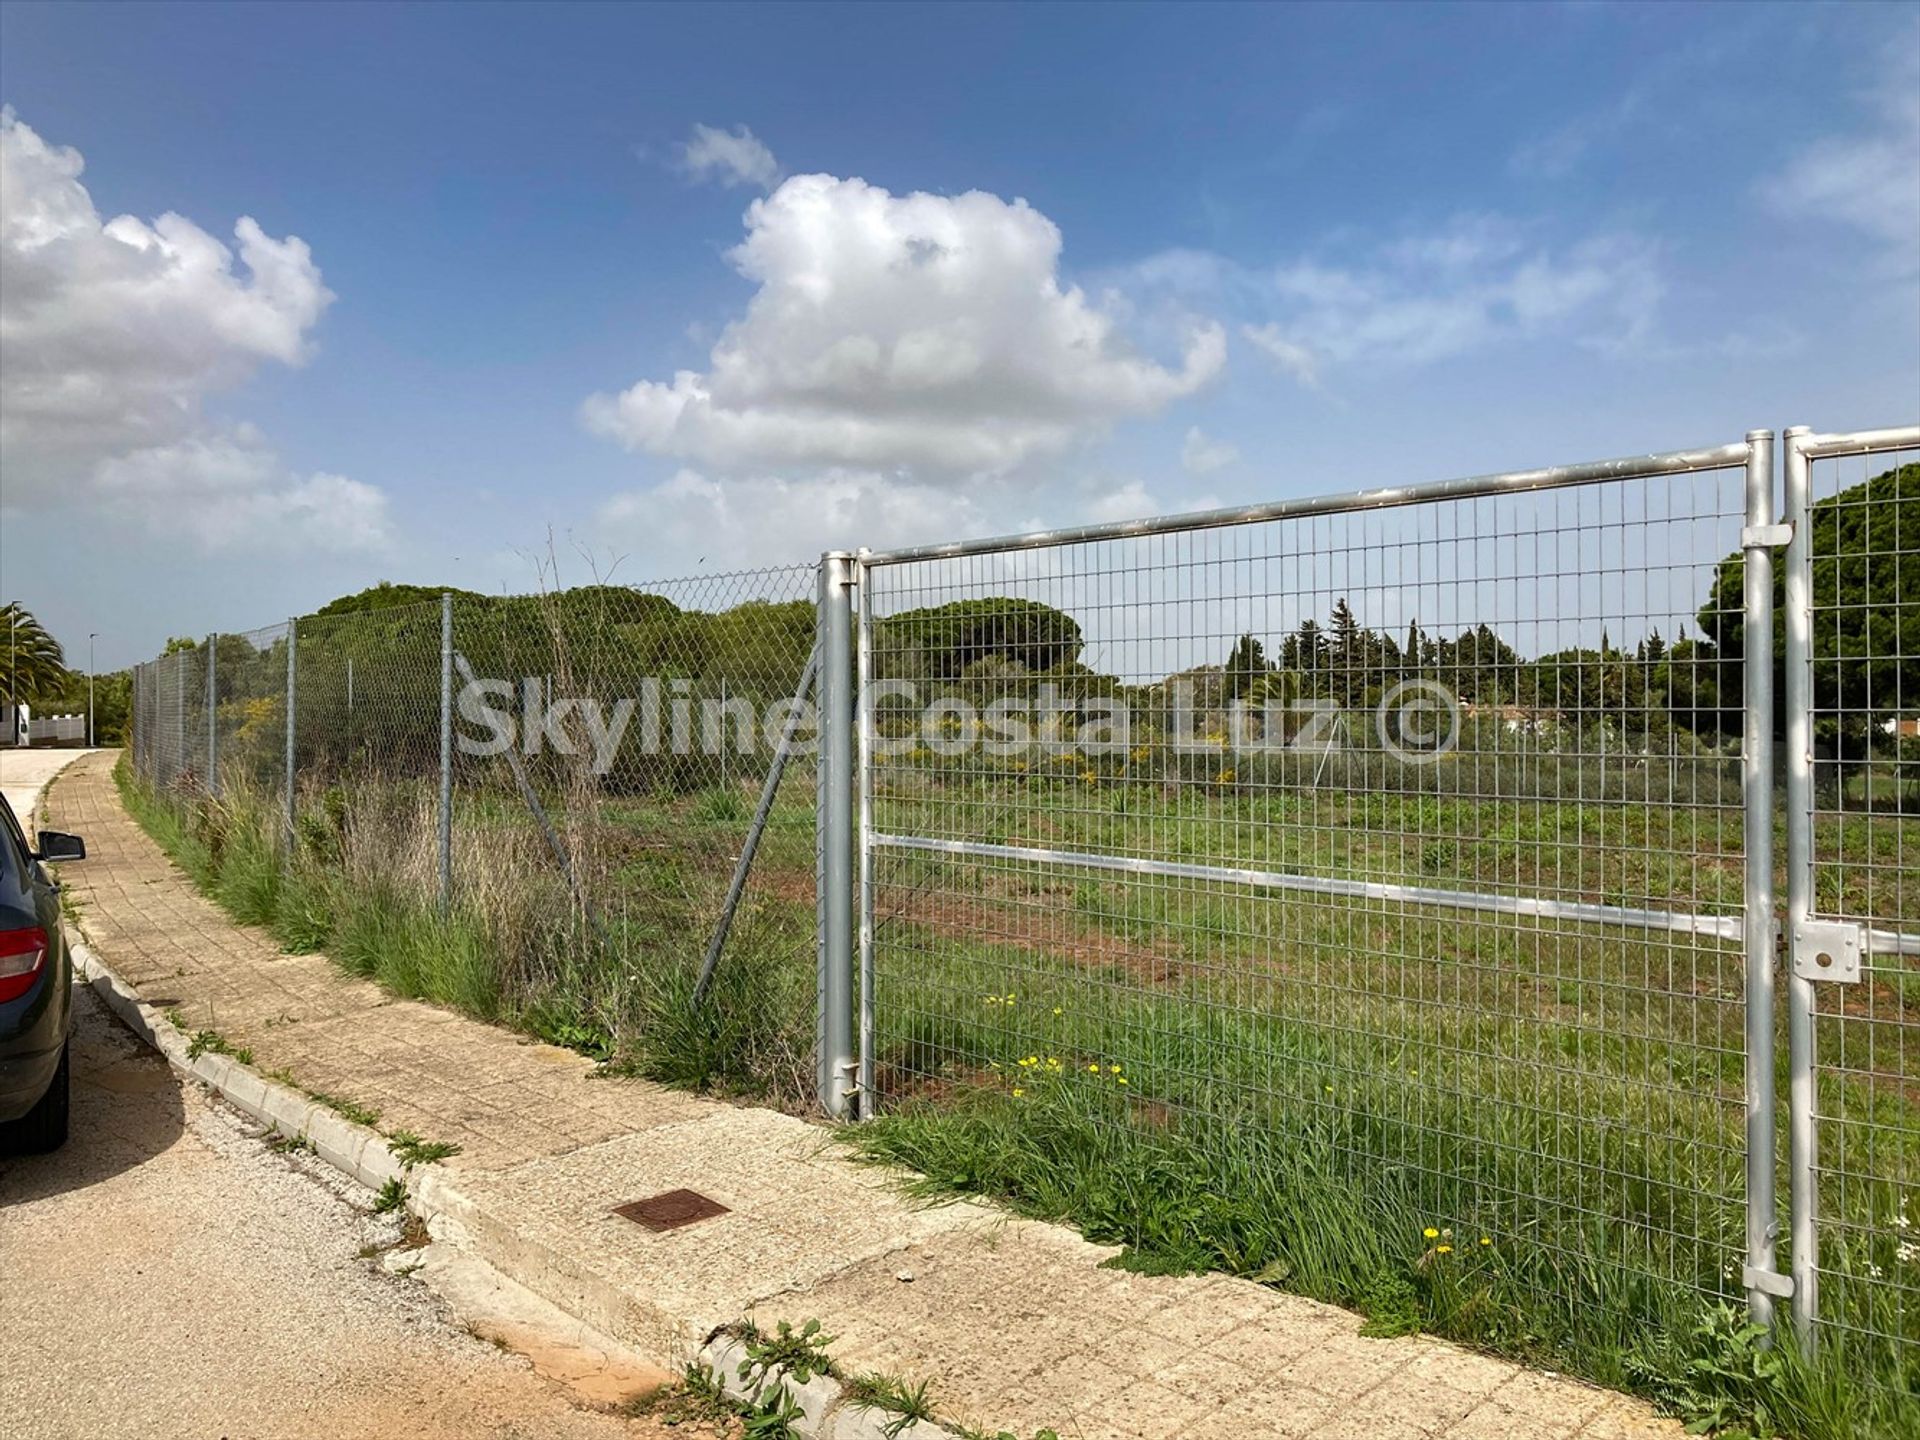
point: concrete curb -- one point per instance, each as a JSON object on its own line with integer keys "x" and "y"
{"x": 363, "y": 1155}
{"x": 355, "y": 1150}
{"x": 825, "y": 1411}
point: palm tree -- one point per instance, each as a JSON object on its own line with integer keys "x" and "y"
{"x": 35, "y": 663}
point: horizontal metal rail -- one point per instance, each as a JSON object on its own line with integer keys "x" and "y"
{"x": 1856, "y": 442}
{"x": 1632, "y": 467}
{"x": 1717, "y": 927}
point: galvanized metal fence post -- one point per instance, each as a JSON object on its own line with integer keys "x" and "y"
{"x": 446, "y": 751}
{"x": 286, "y": 801}
{"x": 864, "y": 702}
{"x": 1801, "y": 1138}
{"x": 837, "y": 1053}
{"x": 213, "y": 714}
{"x": 181, "y": 758}
{"x": 1757, "y": 541}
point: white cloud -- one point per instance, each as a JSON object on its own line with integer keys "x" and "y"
{"x": 229, "y": 488}
{"x": 730, "y": 157}
{"x": 1554, "y": 154}
{"x": 115, "y": 331}
{"x": 923, "y": 334}
{"x": 1293, "y": 358}
{"x": 1868, "y": 180}
{"x": 1131, "y": 501}
{"x": 764, "y": 520}
{"x": 1202, "y": 456}
{"x": 1475, "y": 283}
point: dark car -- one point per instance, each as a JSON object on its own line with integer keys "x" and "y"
{"x": 35, "y": 976}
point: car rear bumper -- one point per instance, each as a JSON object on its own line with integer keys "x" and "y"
{"x": 25, "y": 1075}
{"x": 33, "y": 1031}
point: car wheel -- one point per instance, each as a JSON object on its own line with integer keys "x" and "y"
{"x": 44, "y": 1127}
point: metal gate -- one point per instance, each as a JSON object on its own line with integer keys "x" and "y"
{"x": 1520, "y": 971}
{"x": 1852, "y": 602}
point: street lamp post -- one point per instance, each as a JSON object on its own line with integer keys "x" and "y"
{"x": 91, "y": 741}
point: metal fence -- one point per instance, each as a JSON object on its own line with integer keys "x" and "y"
{"x": 1852, "y": 673}
{"x": 1437, "y": 825}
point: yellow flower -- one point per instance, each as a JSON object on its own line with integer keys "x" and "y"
{"x": 1486, "y": 1240}
{"x": 1113, "y": 1069}
{"x": 1057, "y": 1010}
{"x": 1431, "y": 1233}
{"x": 1123, "y": 1079}
{"x": 1093, "y": 1069}
{"x": 1018, "y": 1091}
{"x": 1443, "y": 1249}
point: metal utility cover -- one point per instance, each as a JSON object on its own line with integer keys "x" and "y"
{"x": 671, "y": 1210}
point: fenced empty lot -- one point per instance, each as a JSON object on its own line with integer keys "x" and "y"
{"x": 1393, "y": 896}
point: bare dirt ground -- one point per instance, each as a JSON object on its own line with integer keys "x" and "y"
{"x": 168, "y": 1274}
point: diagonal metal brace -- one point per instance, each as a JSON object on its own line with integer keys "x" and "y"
{"x": 768, "y": 790}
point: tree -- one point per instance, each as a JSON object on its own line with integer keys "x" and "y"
{"x": 943, "y": 641}
{"x": 1866, "y": 630}
{"x": 1246, "y": 666}
{"x": 36, "y": 665}
{"x": 1306, "y": 651}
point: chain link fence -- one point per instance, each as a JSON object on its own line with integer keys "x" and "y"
{"x": 579, "y": 805}
{"x": 1416, "y": 851}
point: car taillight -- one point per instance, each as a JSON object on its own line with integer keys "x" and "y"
{"x": 23, "y": 953}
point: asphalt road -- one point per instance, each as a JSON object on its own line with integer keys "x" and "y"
{"x": 170, "y": 1274}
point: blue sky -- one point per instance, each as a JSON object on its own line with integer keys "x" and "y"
{"x": 1315, "y": 248}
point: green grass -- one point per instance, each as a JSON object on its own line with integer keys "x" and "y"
{"x": 903, "y": 1402}
{"x": 1310, "y": 1084}
{"x": 410, "y": 1150}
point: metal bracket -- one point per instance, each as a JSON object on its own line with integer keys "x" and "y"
{"x": 1827, "y": 950}
{"x": 1766, "y": 537}
{"x": 1767, "y": 1282}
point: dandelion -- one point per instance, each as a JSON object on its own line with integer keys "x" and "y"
{"x": 1018, "y": 1092}
{"x": 1443, "y": 1249}
{"x": 1058, "y": 1011}
{"x": 1486, "y": 1240}
{"x": 1093, "y": 1069}
{"x": 1122, "y": 1079}
{"x": 1431, "y": 1233}
{"x": 1113, "y": 1069}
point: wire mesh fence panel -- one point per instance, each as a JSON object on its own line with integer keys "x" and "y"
{"x": 1405, "y": 843}
{"x": 620, "y": 735}
{"x": 174, "y": 719}
{"x": 250, "y": 710}
{"x": 1863, "y": 538}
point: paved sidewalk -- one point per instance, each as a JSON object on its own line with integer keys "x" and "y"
{"x": 1011, "y": 1320}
